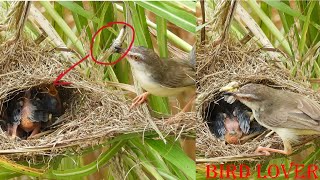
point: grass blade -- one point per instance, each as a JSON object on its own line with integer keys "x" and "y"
{"x": 177, "y": 16}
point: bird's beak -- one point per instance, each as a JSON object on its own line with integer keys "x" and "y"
{"x": 238, "y": 95}
{"x": 229, "y": 94}
{"x": 119, "y": 50}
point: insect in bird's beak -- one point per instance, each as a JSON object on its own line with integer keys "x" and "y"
{"x": 231, "y": 87}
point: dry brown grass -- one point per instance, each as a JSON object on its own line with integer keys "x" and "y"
{"x": 94, "y": 111}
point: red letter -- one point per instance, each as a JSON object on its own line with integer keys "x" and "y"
{"x": 213, "y": 170}
{"x": 286, "y": 173}
{"x": 277, "y": 171}
{"x": 259, "y": 171}
{"x": 247, "y": 171}
{"x": 229, "y": 170}
{"x": 313, "y": 171}
{"x": 297, "y": 170}
{"x": 221, "y": 170}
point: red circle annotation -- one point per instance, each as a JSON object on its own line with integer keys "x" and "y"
{"x": 58, "y": 81}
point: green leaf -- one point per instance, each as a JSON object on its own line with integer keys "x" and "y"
{"x": 281, "y": 6}
{"x": 81, "y": 22}
{"x": 273, "y": 29}
{"x": 74, "y": 7}
{"x": 14, "y": 167}
{"x": 173, "y": 153}
{"x": 59, "y": 9}
{"x": 175, "y": 15}
{"x": 305, "y": 28}
{"x": 140, "y": 35}
{"x": 8, "y": 175}
{"x": 174, "y": 39}
{"x": 161, "y": 36}
{"x": 144, "y": 24}
{"x": 90, "y": 168}
{"x": 66, "y": 29}
{"x": 150, "y": 153}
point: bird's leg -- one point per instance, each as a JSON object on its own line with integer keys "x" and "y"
{"x": 9, "y": 129}
{"x": 266, "y": 150}
{"x": 35, "y": 131}
{"x": 14, "y": 131}
{"x": 139, "y": 99}
{"x": 186, "y": 108}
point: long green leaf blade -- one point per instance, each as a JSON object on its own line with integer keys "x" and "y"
{"x": 176, "y": 16}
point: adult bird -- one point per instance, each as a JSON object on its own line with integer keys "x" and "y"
{"x": 286, "y": 113}
{"x": 160, "y": 77}
{"x": 163, "y": 77}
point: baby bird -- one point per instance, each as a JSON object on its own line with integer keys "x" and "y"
{"x": 51, "y": 100}
{"x": 230, "y": 122}
{"x": 31, "y": 111}
{"x": 233, "y": 133}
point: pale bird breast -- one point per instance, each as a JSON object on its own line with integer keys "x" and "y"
{"x": 149, "y": 84}
{"x": 287, "y": 134}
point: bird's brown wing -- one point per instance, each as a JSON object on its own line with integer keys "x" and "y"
{"x": 309, "y": 107}
{"x": 305, "y": 114}
{"x": 178, "y": 73}
{"x": 291, "y": 119}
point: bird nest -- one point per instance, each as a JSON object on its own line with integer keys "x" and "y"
{"x": 233, "y": 61}
{"x": 93, "y": 111}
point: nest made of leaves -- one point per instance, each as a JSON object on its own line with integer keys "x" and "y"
{"x": 93, "y": 113}
{"x": 233, "y": 61}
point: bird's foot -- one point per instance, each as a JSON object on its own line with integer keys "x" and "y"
{"x": 12, "y": 131}
{"x": 9, "y": 129}
{"x": 139, "y": 99}
{"x": 262, "y": 151}
{"x": 34, "y": 132}
{"x": 14, "y": 138}
{"x": 266, "y": 151}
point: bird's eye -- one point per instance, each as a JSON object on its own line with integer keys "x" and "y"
{"x": 136, "y": 58}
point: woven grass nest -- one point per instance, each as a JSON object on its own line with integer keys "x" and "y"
{"x": 93, "y": 113}
{"x": 233, "y": 61}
